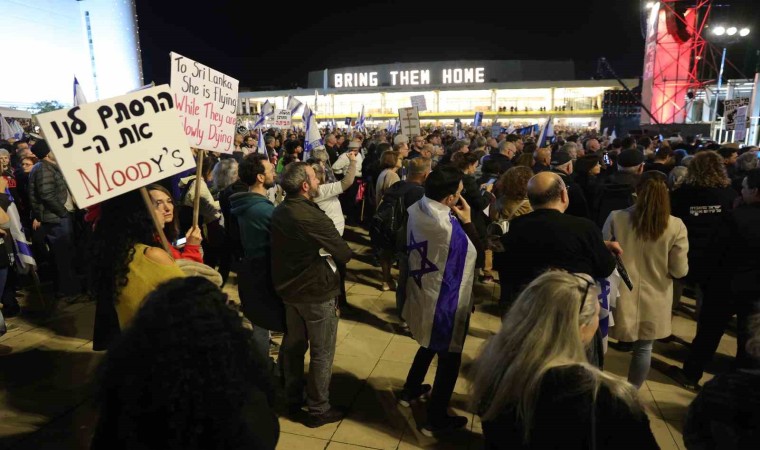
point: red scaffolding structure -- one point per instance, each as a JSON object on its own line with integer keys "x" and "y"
{"x": 675, "y": 49}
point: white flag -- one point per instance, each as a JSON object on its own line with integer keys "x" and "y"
{"x": 313, "y": 138}
{"x": 79, "y": 98}
{"x": 293, "y": 104}
{"x": 266, "y": 110}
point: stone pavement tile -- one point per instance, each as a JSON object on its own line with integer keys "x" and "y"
{"x": 354, "y": 346}
{"x": 361, "y": 288}
{"x": 376, "y": 420}
{"x": 662, "y": 434}
{"x": 72, "y": 431}
{"x": 650, "y": 404}
{"x": 401, "y": 351}
{"x": 349, "y": 376}
{"x": 287, "y": 425}
{"x": 378, "y": 330}
{"x": 676, "y": 429}
{"x": 334, "y": 445}
{"x": 290, "y": 441}
{"x": 673, "y": 404}
{"x": 391, "y": 375}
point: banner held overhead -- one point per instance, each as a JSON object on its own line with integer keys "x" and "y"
{"x": 206, "y": 102}
{"x": 114, "y": 146}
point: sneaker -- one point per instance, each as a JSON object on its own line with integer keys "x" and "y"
{"x": 329, "y": 416}
{"x": 405, "y": 398}
{"x": 680, "y": 377}
{"x": 447, "y": 425}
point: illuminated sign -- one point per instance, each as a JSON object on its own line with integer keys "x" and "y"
{"x": 414, "y": 77}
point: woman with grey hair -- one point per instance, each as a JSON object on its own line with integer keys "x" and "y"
{"x": 533, "y": 376}
{"x": 676, "y": 177}
{"x": 5, "y": 163}
{"x": 224, "y": 174}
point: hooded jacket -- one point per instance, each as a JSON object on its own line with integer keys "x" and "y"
{"x": 254, "y": 217}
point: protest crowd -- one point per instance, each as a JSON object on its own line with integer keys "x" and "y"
{"x": 594, "y": 241}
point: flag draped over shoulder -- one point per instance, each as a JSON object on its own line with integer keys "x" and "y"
{"x": 441, "y": 272}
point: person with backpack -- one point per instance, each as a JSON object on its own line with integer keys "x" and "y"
{"x": 617, "y": 191}
{"x": 390, "y": 163}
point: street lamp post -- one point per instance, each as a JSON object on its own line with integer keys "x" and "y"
{"x": 728, "y": 35}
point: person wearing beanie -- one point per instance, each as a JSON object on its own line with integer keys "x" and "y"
{"x": 53, "y": 210}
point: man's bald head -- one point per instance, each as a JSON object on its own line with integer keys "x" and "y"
{"x": 545, "y": 190}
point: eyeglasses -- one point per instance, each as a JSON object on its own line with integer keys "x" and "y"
{"x": 589, "y": 283}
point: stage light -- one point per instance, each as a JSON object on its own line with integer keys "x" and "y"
{"x": 744, "y": 31}
{"x": 731, "y": 31}
{"x": 719, "y": 31}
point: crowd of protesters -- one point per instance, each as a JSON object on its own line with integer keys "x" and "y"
{"x": 555, "y": 226}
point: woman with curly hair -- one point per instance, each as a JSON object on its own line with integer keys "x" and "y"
{"x": 703, "y": 201}
{"x": 124, "y": 265}
{"x": 185, "y": 376}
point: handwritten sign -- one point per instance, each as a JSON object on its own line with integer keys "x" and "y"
{"x": 107, "y": 148}
{"x": 282, "y": 119}
{"x": 207, "y": 102}
{"x": 410, "y": 121}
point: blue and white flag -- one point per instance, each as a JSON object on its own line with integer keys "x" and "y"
{"x": 293, "y": 104}
{"x": 22, "y": 247}
{"x": 18, "y": 132}
{"x": 510, "y": 129}
{"x": 360, "y": 120}
{"x": 266, "y": 110}
{"x": 613, "y": 136}
{"x": 313, "y": 139}
{"x": 79, "y": 98}
{"x": 6, "y": 132}
{"x": 441, "y": 270}
{"x": 262, "y": 147}
{"x": 546, "y": 136}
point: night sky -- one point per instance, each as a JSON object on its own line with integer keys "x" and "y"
{"x": 276, "y": 45}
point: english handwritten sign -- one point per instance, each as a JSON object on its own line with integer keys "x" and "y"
{"x": 207, "y": 102}
{"x": 114, "y": 146}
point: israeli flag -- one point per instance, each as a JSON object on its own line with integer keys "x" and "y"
{"x": 22, "y": 247}
{"x": 313, "y": 138}
{"x": 18, "y": 132}
{"x": 546, "y": 135}
{"x": 266, "y": 110}
{"x": 293, "y": 104}
{"x": 613, "y": 135}
{"x": 510, "y": 129}
{"x": 5, "y": 129}
{"x": 262, "y": 148}
{"x": 360, "y": 120}
{"x": 441, "y": 272}
{"x": 79, "y": 98}
{"x": 605, "y": 132}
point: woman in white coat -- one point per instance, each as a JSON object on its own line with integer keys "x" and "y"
{"x": 656, "y": 248}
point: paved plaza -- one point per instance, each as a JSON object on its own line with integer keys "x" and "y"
{"x": 47, "y": 368}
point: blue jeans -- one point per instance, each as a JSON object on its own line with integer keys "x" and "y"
{"x": 60, "y": 239}
{"x": 640, "y": 362}
{"x": 313, "y": 326}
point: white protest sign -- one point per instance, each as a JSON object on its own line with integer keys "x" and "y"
{"x": 282, "y": 119}
{"x": 206, "y": 102}
{"x": 741, "y": 123}
{"x": 410, "y": 121}
{"x": 110, "y": 147}
{"x": 729, "y": 110}
{"x": 419, "y": 102}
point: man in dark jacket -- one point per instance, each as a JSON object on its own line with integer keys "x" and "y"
{"x": 253, "y": 213}
{"x": 548, "y": 238}
{"x": 52, "y": 209}
{"x": 305, "y": 276}
{"x": 562, "y": 165}
{"x": 507, "y": 151}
